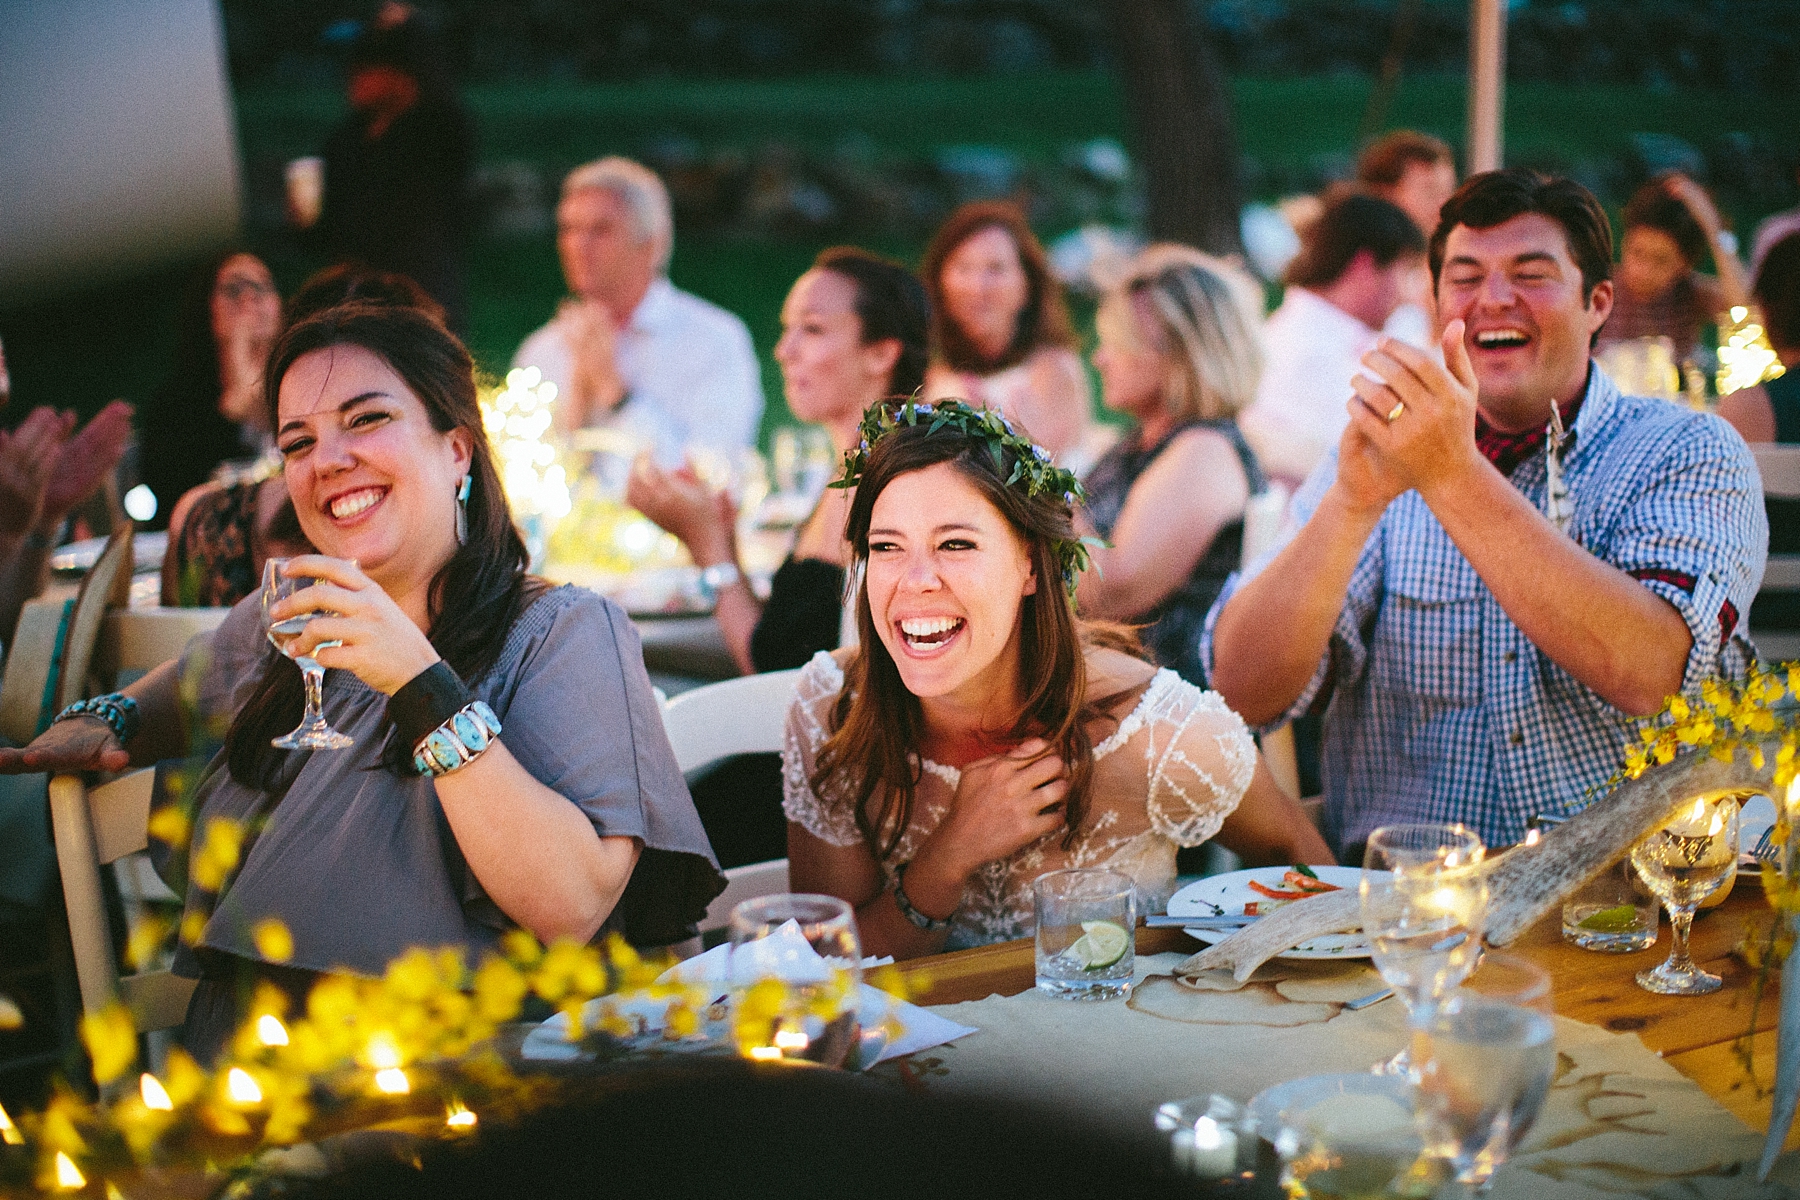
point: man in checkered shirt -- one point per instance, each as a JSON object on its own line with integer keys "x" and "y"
{"x": 1475, "y": 663}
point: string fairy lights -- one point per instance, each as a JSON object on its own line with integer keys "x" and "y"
{"x": 518, "y": 420}
{"x": 1745, "y": 356}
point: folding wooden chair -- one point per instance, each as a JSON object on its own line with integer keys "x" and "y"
{"x": 1780, "y": 469}
{"x": 103, "y": 824}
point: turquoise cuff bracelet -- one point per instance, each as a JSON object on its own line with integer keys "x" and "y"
{"x": 116, "y": 709}
{"x": 457, "y": 742}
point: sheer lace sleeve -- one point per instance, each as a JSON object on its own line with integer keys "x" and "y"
{"x": 814, "y": 692}
{"x": 1198, "y": 755}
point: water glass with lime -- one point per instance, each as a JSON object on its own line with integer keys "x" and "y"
{"x": 1613, "y": 912}
{"x": 1086, "y": 931}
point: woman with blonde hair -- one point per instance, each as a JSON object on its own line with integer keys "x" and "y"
{"x": 1179, "y": 354}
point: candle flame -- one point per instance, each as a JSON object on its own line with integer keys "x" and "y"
{"x": 1718, "y": 823}
{"x": 459, "y": 1117}
{"x": 155, "y": 1095}
{"x": 1793, "y": 795}
{"x": 1207, "y": 1135}
{"x": 9, "y": 1133}
{"x": 271, "y": 1031}
{"x": 765, "y": 1053}
{"x": 1533, "y": 837}
{"x": 382, "y": 1054}
{"x": 68, "y": 1175}
{"x": 791, "y": 1040}
{"x": 1699, "y": 809}
{"x": 242, "y": 1087}
{"x": 392, "y": 1081}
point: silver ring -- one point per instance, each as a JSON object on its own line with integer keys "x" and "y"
{"x": 1394, "y": 412}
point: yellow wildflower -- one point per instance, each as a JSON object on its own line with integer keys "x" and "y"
{"x": 110, "y": 1036}
{"x": 171, "y": 825}
{"x": 272, "y": 940}
{"x": 499, "y": 990}
{"x": 218, "y": 855}
{"x": 193, "y": 927}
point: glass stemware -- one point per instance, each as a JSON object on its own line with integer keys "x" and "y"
{"x": 796, "y": 969}
{"x": 1424, "y": 907}
{"x": 1493, "y": 1054}
{"x": 1683, "y": 862}
{"x": 313, "y": 732}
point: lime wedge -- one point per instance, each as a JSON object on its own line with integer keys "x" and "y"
{"x": 1611, "y": 920}
{"x": 1101, "y": 944}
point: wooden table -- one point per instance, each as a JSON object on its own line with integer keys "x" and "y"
{"x": 1696, "y": 1035}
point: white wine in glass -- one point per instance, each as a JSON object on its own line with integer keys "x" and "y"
{"x": 313, "y": 732}
{"x": 1683, "y": 862}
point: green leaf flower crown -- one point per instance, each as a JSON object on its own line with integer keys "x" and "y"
{"x": 1032, "y": 470}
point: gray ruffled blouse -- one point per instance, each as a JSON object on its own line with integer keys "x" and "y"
{"x": 359, "y": 862}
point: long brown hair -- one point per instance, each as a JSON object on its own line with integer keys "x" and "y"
{"x": 877, "y": 724}
{"x": 1044, "y": 321}
{"x": 476, "y": 596}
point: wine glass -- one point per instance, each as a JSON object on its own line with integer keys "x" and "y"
{"x": 1682, "y": 862}
{"x": 1424, "y": 905}
{"x": 1493, "y": 1053}
{"x": 796, "y": 969}
{"x": 313, "y": 732}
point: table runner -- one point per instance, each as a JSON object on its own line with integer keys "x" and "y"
{"x": 1619, "y": 1121}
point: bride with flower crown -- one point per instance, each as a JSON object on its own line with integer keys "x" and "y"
{"x": 982, "y": 734}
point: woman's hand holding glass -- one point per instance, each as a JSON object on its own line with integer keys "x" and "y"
{"x": 324, "y": 612}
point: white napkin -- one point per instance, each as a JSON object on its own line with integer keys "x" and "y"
{"x": 784, "y": 955}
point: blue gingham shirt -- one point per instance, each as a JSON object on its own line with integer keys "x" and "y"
{"x": 1440, "y": 709}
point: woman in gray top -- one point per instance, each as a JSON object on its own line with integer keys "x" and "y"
{"x": 427, "y": 830}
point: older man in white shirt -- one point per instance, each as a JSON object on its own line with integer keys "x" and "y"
{"x": 631, "y": 351}
{"x": 1359, "y": 261}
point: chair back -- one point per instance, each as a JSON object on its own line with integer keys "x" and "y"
{"x": 1779, "y": 466}
{"x": 1263, "y": 515}
{"x": 28, "y": 688}
{"x": 719, "y": 720}
{"x": 100, "y": 825}
{"x": 734, "y": 716}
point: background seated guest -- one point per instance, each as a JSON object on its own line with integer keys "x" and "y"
{"x": 1357, "y": 262}
{"x": 1671, "y": 225}
{"x": 1000, "y": 331}
{"x": 1475, "y": 659}
{"x": 573, "y": 820}
{"x": 1179, "y": 355}
{"x": 397, "y": 167}
{"x": 209, "y": 410}
{"x": 632, "y": 351}
{"x": 853, "y": 334}
{"x": 222, "y": 532}
{"x": 1416, "y": 173}
{"x": 979, "y": 735}
{"x": 1770, "y": 412}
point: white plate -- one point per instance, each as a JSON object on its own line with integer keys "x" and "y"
{"x": 1231, "y": 892}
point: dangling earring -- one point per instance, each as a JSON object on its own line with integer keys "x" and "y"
{"x": 462, "y": 510}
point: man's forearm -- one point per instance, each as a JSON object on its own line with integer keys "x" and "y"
{"x": 1271, "y": 634}
{"x": 1594, "y": 621}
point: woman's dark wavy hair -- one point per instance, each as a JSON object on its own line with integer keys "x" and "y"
{"x": 1044, "y": 321}
{"x": 877, "y": 725}
{"x": 1777, "y": 290}
{"x": 890, "y": 303}
{"x": 477, "y": 595}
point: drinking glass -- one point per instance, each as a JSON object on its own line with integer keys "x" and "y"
{"x": 1424, "y": 906}
{"x": 796, "y": 970}
{"x": 1492, "y": 1058}
{"x": 1340, "y": 1137}
{"x": 313, "y": 732}
{"x": 1613, "y": 912}
{"x": 1683, "y": 862}
{"x": 1086, "y": 932}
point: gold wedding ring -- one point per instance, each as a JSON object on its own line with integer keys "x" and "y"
{"x": 1394, "y": 412}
